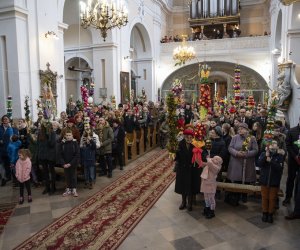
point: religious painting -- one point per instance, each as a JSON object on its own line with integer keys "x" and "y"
{"x": 124, "y": 86}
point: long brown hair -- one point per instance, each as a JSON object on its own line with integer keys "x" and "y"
{"x": 258, "y": 132}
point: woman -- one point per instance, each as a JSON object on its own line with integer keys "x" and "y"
{"x": 228, "y": 132}
{"x": 258, "y": 134}
{"x": 118, "y": 142}
{"x": 46, "y": 153}
{"x": 243, "y": 148}
{"x": 187, "y": 175}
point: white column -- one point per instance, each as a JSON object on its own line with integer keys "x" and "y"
{"x": 213, "y": 8}
{"x": 3, "y": 75}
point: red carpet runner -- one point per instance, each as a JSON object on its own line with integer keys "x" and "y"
{"x": 6, "y": 211}
{"x": 104, "y": 220}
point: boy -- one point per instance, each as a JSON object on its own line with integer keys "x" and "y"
{"x": 271, "y": 167}
{"x": 69, "y": 158}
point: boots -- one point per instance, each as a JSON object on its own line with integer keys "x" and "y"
{"x": 264, "y": 218}
{"x": 270, "y": 218}
{"x": 190, "y": 202}
{"x": 210, "y": 214}
{"x": 205, "y": 211}
{"x": 52, "y": 188}
{"x": 183, "y": 203}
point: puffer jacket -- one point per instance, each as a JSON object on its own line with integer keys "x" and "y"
{"x": 106, "y": 140}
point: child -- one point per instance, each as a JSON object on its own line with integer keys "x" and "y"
{"x": 12, "y": 151}
{"x": 88, "y": 144}
{"x": 271, "y": 167}
{"x": 69, "y": 158}
{"x": 209, "y": 184}
{"x": 23, "y": 169}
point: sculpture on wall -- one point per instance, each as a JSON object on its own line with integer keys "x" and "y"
{"x": 288, "y": 2}
{"x": 284, "y": 88}
{"x": 48, "y": 92}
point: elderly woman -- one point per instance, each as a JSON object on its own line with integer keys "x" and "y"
{"x": 243, "y": 149}
{"x": 187, "y": 175}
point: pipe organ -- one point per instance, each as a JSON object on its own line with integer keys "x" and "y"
{"x": 216, "y": 14}
{"x": 213, "y": 8}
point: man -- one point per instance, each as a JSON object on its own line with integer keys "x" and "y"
{"x": 296, "y": 213}
{"x": 244, "y": 118}
{"x": 262, "y": 119}
{"x": 293, "y": 161}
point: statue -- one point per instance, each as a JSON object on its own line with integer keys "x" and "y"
{"x": 284, "y": 88}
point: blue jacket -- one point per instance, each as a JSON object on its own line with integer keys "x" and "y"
{"x": 88, "y": 154}
{"x": 4, "y": 139}
{"x": 12, "y": 151}
{"x": 270, "y": 172}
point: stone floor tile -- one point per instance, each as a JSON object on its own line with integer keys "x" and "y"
{"x": 56, "y": 213}
{"x": 226, "y": 233}
{"x": 172, "y": 233}
{"x": 41, "y": 217}
{"x": 62, "y": 204}
{"x": 207, "y": 239}
{"x": 186, "y": 243}
{"x": 21, "y": 211}
{"x": 256, "y": 220}
{"x": 19, "y": 220}
{"x": 37, "y": 208}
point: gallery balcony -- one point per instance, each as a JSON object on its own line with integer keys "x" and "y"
{"x": 222, "y": 47}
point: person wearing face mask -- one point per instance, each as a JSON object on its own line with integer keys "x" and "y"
{"x": 243, "y": 149}
{"x": 187, "y": 175}
{"x": 271, "y": 167}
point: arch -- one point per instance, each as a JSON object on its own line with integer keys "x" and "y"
{"x": 189, "y": 75}
{"x": 60, "y": 10}
{"x": 70, "y": 57}
{"x": 140, "y": 40}
{"x": 278, "y": 29}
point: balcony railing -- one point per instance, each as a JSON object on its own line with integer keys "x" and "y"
{"x": 227, "y": 45}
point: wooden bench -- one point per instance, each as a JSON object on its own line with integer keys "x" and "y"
{"x": 242, "y": 188}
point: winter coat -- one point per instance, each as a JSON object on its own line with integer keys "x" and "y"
{"x": 33, "y": 148}
{"x": 218, "y": 147}
{"x": 209, "y": 183}
{"x": 23, "y": 169}
{"x": 293, "y": 150}
{"x": 235, "y": 167}
{"x": 119, "y": 138}
{"x": 47, "y": 148}
{"x": 187, "y": 175}
{"x": 227, "y": 139}
{"x": 88, "y": 150}
{"x": 69, "y": 153}
{"x": 12, "y": 151}
{"x": 188, "y": 116}
{"x": 23, "y": 136}
{"x": 107, "y": 139}
{"x": 270, "y": 172}
{"x": 5, "y": 135}
{"x": 130, "y": 123}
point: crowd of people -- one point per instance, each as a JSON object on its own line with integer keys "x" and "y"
{"x": 237, "y": 147}
{"x": 31, "y": 153}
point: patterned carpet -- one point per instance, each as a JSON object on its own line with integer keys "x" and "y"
{"x": 104, "y": 220}
{"x": 6, "y": 211}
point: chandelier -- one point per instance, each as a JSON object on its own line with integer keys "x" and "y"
{"x": 103, "y": 16}
{"x": 183, "y": 53}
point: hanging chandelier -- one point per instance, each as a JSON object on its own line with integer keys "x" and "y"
{"x": 103, "y": 15}
{"x": 183, "y": 53}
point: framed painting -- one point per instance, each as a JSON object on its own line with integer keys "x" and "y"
{"x": 124, "y": 86}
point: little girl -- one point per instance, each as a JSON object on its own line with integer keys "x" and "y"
{"x": 209, "y": 184}
{"x": 23, "y": 169}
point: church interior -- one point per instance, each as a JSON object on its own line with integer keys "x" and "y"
{"x": 163, "y": 59}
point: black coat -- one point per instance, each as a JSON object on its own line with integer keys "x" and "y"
{"x": 47, "y": 148}
{"x": 129, "y": 123}
{"x": 187, "y": 175}
{"x": 270, "y": 172}
{"x": 291, "y": 137}
{"x": 119, "y": 138}
{"x": 69, "y": 153}
{"x": 218, "y": 147}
